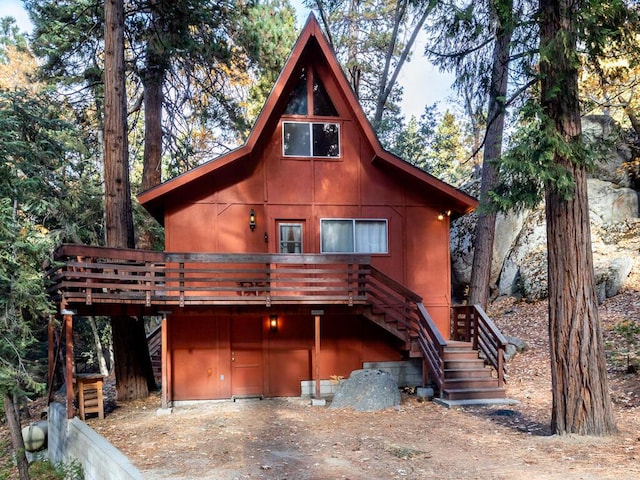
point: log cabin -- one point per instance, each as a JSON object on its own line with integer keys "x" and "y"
{"x": 306, "y": 253}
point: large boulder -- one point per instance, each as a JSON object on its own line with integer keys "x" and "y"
{"x": 609, "y": 202}
{"x": 603, "y": 133}
{"x": 520, "y": 249}
{"x": 367, "y": 390}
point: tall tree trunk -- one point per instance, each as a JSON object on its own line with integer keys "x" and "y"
{"x": 479, "y": 289}
{"x": 581, "y": 402}
{"x": 152, "y": 156}
{"x": 131, "y": 359}
{"x": 353, "y": 64}
{"x": 131, "y": 375}
{"x": 119, "y": 219}
{"x": 387, "y": 82}
{"x": 16, "y": 435}
{"x": 152, "y": 80}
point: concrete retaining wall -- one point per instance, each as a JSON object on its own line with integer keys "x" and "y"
{"x": 406, "y": 373}
{"x": 327, "y": 387}
{"x": 71, "y": 440}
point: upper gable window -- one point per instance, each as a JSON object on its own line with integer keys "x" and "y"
{"x": 298, "y": 102}
{"x": 310, "y": 99}
{"x": 322, "y": 104}
{"x": 309, "y": 139}
{"x": 317, "y": 104}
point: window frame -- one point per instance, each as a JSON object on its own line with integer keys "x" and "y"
{"x": 354, "y": 221}
{"x": 310, "y": 124}
{"x": 291, "y": 224}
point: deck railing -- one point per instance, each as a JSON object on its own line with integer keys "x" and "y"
{"x": 92, "y": 275}
{"x": 470, "y": 323}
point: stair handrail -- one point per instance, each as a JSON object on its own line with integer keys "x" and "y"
{"x": 485, "y": 336}
{"x": 432, "y": 344}
{"x": 431, "y": 341}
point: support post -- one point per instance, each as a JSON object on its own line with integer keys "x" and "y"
{"x": 317, "y": 400}
{"x": 165, "y": 373}
{"x": 67, "y": 316}
{"x": 316, "y": 357}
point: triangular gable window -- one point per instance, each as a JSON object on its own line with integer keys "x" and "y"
{"x": 310, "y": 138}
{"x": 298, "y": 104}
{"x": 321, "y": 104}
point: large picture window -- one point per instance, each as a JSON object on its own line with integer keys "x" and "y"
{"x": 353, "y": 236}
{"x": 310, "y": 139}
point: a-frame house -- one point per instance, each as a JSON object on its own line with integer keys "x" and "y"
{"x": 302, "y": 255}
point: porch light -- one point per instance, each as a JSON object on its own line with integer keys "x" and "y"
{"x": 252, "y": 220}
{"x": 446, "y": 213}
{"x": 273, "y": 323}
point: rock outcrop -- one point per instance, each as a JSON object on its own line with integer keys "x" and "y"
{"x": 520, "y": 248}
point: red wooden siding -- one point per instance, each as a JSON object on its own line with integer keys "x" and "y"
{"x": 210, "y": 362}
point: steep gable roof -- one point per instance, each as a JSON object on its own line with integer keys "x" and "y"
{"x": 310, "y": 42}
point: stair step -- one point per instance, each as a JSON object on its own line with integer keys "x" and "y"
{"x": 467, "y": 372}
{"x": 474, "y": 394}
{"x": 451, "y": 345}
{"x": 463, "y": 363}
{"x": 462, "y": 355}
{"x": 469, "y": 383}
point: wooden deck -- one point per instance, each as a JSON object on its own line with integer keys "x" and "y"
{"x": 97, "y": 281}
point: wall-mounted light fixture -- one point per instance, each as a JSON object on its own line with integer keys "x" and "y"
{"x": 252, "y": 220}
{"x": 445, "y": 213}
{"x": 273, "y": 323}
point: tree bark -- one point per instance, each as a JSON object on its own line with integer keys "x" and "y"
{"x": 581, "y": 402}
{"x": 119, "y": 217}
{"x": 131, "y": 371}
{"x": 16, "y": 436}
{"x": 134, "y": 372}
{"x": 152, "y": 80}
{"x": 479, "y": 289}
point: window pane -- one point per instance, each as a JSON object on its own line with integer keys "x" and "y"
{"x": 290, "y": 238}
{"x": 322, "y": 104}
{"x": 296, "y": 139}
{"x": 298, "y": 97}
{"x": 371, "y": 236}
{"x": 337, "y": 236}
{"x": 326, "y": 140}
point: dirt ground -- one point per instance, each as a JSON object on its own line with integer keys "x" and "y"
{"x": 289, "y": 439}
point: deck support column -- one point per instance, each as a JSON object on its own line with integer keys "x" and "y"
{"x": 317, "y": 356}
{"x": 67, "y": 316}
{"x": 164, "y": 362}
{"x": 316, "y": 352}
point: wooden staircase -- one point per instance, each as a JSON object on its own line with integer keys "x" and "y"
{"x": 154, "y": 341}
{"x": 466, "y": 377}
{"x": 455, "y": 367}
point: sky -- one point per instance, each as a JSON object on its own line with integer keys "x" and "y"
{"x": 423, "y": 84}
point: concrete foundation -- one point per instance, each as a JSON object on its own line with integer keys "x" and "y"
{"x": 72, "y": 440}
